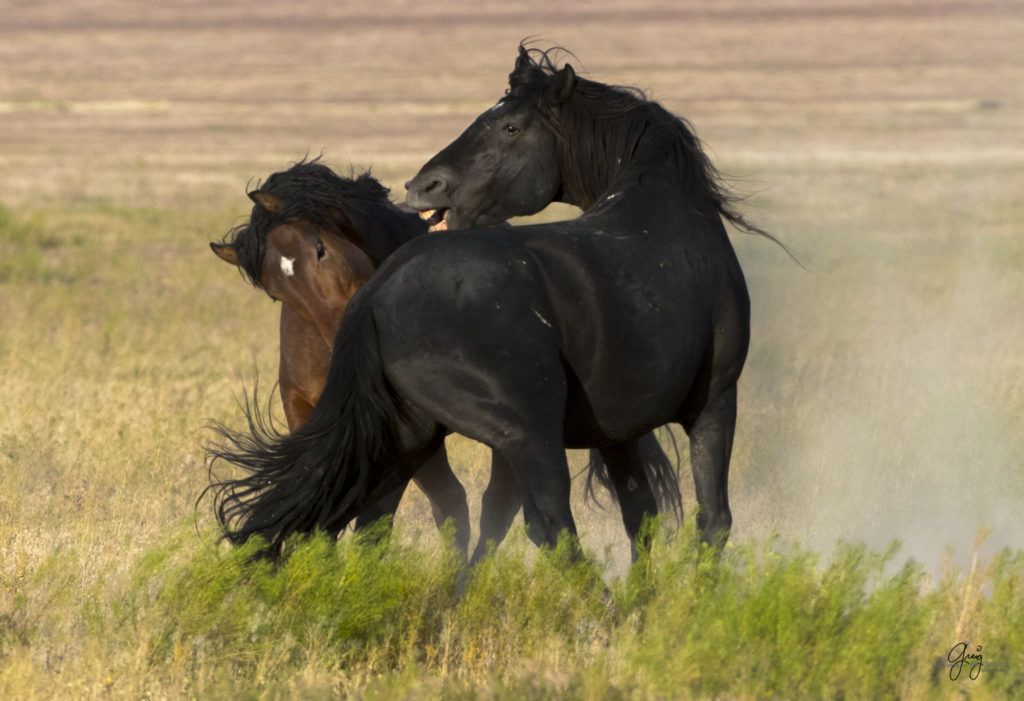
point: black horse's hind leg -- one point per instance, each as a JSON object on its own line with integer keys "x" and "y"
{"x": 542, "y": 472}
{"x": 521, "y": 418}
{"x": 446, "y": 494}
{"x": 500, "y": 504}
{"x": 636, "y": 498}
{"x": 711, "y": 434}
{"x": 491, "y": 372}
{"x": 386, "y": 506}
{"x": 434, "y": 476}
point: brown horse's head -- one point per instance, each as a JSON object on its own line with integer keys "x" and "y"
{"x": 311, "y": 270}
{"x": 313, "y": 238}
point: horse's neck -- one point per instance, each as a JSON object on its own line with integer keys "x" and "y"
{"x": 642, "y": 163}
{"x": 632, "y": 186}
{"x": 407, "y": 226}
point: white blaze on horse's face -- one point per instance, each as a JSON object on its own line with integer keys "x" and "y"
{"x": 287, "y": 266}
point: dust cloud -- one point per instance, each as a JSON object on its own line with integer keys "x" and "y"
{"x": 889, "y": 401}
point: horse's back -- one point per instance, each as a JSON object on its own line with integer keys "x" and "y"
{"x": 631, "y": 315}
{"x": 644, "y": 315}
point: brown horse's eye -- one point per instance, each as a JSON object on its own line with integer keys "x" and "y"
{"x": 320, "y": 250}
{"x": 510, "y": 129}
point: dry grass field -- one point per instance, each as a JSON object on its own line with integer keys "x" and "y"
{"x": 883, "y": 142}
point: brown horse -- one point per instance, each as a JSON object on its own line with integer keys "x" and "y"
{"x": 312, "y": 239}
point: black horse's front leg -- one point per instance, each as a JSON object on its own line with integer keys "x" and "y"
{"x": 711, "y": 435}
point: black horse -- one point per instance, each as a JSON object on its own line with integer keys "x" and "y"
{"x": 312, "y": 239}
{"x": 586, "y": 333}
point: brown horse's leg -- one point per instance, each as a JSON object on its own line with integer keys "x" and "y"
{"x": 296, "y": 409}
{"x": 446, "y": 494}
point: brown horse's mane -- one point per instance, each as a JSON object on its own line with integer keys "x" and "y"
{"x": 357, "y": 208}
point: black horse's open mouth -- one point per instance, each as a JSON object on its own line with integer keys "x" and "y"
{"x": 436, "y": 219}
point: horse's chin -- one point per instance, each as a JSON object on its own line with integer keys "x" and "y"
{"x": 436, "y": 219}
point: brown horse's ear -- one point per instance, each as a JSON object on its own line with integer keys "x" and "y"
{"x": 565, "y": 83}
{"x": 268, "y": 201}
{"x": 226, "y": 253}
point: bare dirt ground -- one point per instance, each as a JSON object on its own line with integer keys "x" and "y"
{"x": 172, "y": 104}
{"x": 872, "y": 136}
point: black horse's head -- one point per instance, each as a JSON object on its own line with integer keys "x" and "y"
{"x": 506, "y": 163}
{"x": 556, "y": 136}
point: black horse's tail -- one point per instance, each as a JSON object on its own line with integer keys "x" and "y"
{"x": 660, "y": 471}
{"x": 319, "y": 476}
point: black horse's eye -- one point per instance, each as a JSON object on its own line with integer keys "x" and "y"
{"x": 320, "y": 250}
{"x": 510, "y": 129}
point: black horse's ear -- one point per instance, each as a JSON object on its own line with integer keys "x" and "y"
{"x": 268, "y": 201}
{"x": 523, "y": 59}
{"x": 563, "y": 85}
{"x": 226, "y": 253}
{"x": 521, "y": 69}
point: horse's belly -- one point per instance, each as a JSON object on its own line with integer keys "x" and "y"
{"x": 629, "y": 398}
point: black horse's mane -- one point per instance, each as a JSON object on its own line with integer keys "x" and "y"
{"x": 634, "y": 132}
{"x": 357, "y": 208}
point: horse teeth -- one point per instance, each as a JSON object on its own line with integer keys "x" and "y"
{"x": 426, "y": 214}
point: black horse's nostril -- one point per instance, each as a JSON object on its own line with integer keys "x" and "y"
{"x": 430, "y": 189}
{"x": 432, "y": 186}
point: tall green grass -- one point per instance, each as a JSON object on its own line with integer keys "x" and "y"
{"x": 389, "y": 618}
